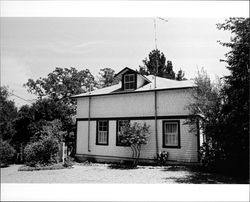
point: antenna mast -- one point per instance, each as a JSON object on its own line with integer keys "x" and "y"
{"x": 156, "y": 67}
{"x": 155, "y": 93}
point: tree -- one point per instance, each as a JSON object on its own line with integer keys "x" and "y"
{"x": 50, "y": 129}
{"x": 157, "y": 59}
{"x": 135, "y": 135}
{"x": 25, "y": 117}
{"x": 49, "y": 110}
{"x": 225, "y": 110}
{"x": 168, "y": 72}
{"x": 206, "y": 104}
{"x": 32, "y": 118}
{"x": 8, "y": 113}
{"x": 206, "y": 98}
{"x": 236, "y": 92}
{"x": 206, "y": 108}
{"x": 7, "y": 152}
{"x": 54, "y": 93}
{"x": 107, "y": 77}
{"x": 61, "y": 84}
{"x": 180, "y": 76}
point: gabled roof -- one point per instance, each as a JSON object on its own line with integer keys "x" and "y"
{"x": 126, "y": 69}
{"x": 161, "y": 84}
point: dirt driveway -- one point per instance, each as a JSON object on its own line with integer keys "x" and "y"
{"x": 104, "y": 173}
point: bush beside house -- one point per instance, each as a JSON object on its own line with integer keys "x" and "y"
{"x": 135, "y": 135}
{"x": 42, "y": 152}
{"x": 7, "y": 153}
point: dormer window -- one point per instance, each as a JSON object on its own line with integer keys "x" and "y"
{"x": 129, "y": 81}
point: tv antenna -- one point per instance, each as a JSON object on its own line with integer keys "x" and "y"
{"x": 155, "y": 93}
{"x": 155, "y": 29}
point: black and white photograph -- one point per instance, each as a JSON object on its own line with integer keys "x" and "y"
{"x": 148, "y": 99}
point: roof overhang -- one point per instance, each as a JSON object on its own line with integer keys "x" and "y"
{"x": 131, "y": 92}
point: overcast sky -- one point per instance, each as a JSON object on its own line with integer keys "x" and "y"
{"x": 33, "y": 47}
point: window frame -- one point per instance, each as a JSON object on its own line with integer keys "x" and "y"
{"x": 117, "y": 130}
{"x": 134, "y": 82}
{"x": 97, "y": 132}
{"x": 178, "y": 131}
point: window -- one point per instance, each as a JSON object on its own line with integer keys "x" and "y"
{"x": 102, "y": 132}
{"x": 171, "y": 134}
{"x": 129, "y": 81}
{"x": 119, "y": 125}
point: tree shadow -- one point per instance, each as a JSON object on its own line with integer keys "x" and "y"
{"x": 176, "y": 168}
{"x": 196, "y": 175}
{"x": 122, "y": 166}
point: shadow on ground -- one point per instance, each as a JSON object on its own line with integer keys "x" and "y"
{"x": 121, "y": 166}
{"x": 198, "y": 176}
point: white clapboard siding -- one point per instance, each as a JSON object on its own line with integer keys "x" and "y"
{"x": 187, "y": 152}
{"x": 170, "y": 103}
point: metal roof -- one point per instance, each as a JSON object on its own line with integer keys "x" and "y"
{"x": 161, "y": 84}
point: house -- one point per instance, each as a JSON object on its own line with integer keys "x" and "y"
{"x": 136, "y": 98}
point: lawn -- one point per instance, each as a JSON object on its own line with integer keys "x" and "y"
{"x": 106, "y": 173}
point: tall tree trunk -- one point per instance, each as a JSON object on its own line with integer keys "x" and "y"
{"x": 135, "y": 154}
{"x": 138, "y": 154}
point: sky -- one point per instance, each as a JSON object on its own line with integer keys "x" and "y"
{"x": 31, "y": 47}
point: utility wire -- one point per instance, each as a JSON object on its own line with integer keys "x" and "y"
{"x": 21, "y": 98}
{"x": 163, "y": 19}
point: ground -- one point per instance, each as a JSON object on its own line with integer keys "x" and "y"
{"x": 106, "y": 173}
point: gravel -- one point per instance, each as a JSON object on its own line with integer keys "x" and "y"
{"x": 103, "y": 173}
{"x": 95, "y": 173}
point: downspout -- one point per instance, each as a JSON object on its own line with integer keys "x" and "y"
{"x": 156, "y": 127}
{"x": 198, "y": 138}
{"x": 89, "y": 150}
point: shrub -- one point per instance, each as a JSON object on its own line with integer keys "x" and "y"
{"x": 42, "y": 152}
{"x": 162, "y": 157}
{"x": 38, "y": 167}
{"x": 135, "y": 135}
{"x": 212, "y": 159}
{"x": 68, "y": 163}
{"x": 7, "y": 152}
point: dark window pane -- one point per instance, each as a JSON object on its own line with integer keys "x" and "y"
{"x": 171, "y": 133}
{"x": 131, "y": 78}
{"x": 120, "y": 124}
{"x": 102, "y": 133}
{"x": 129, "y": 81}
{"x": 127, "y": 86}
